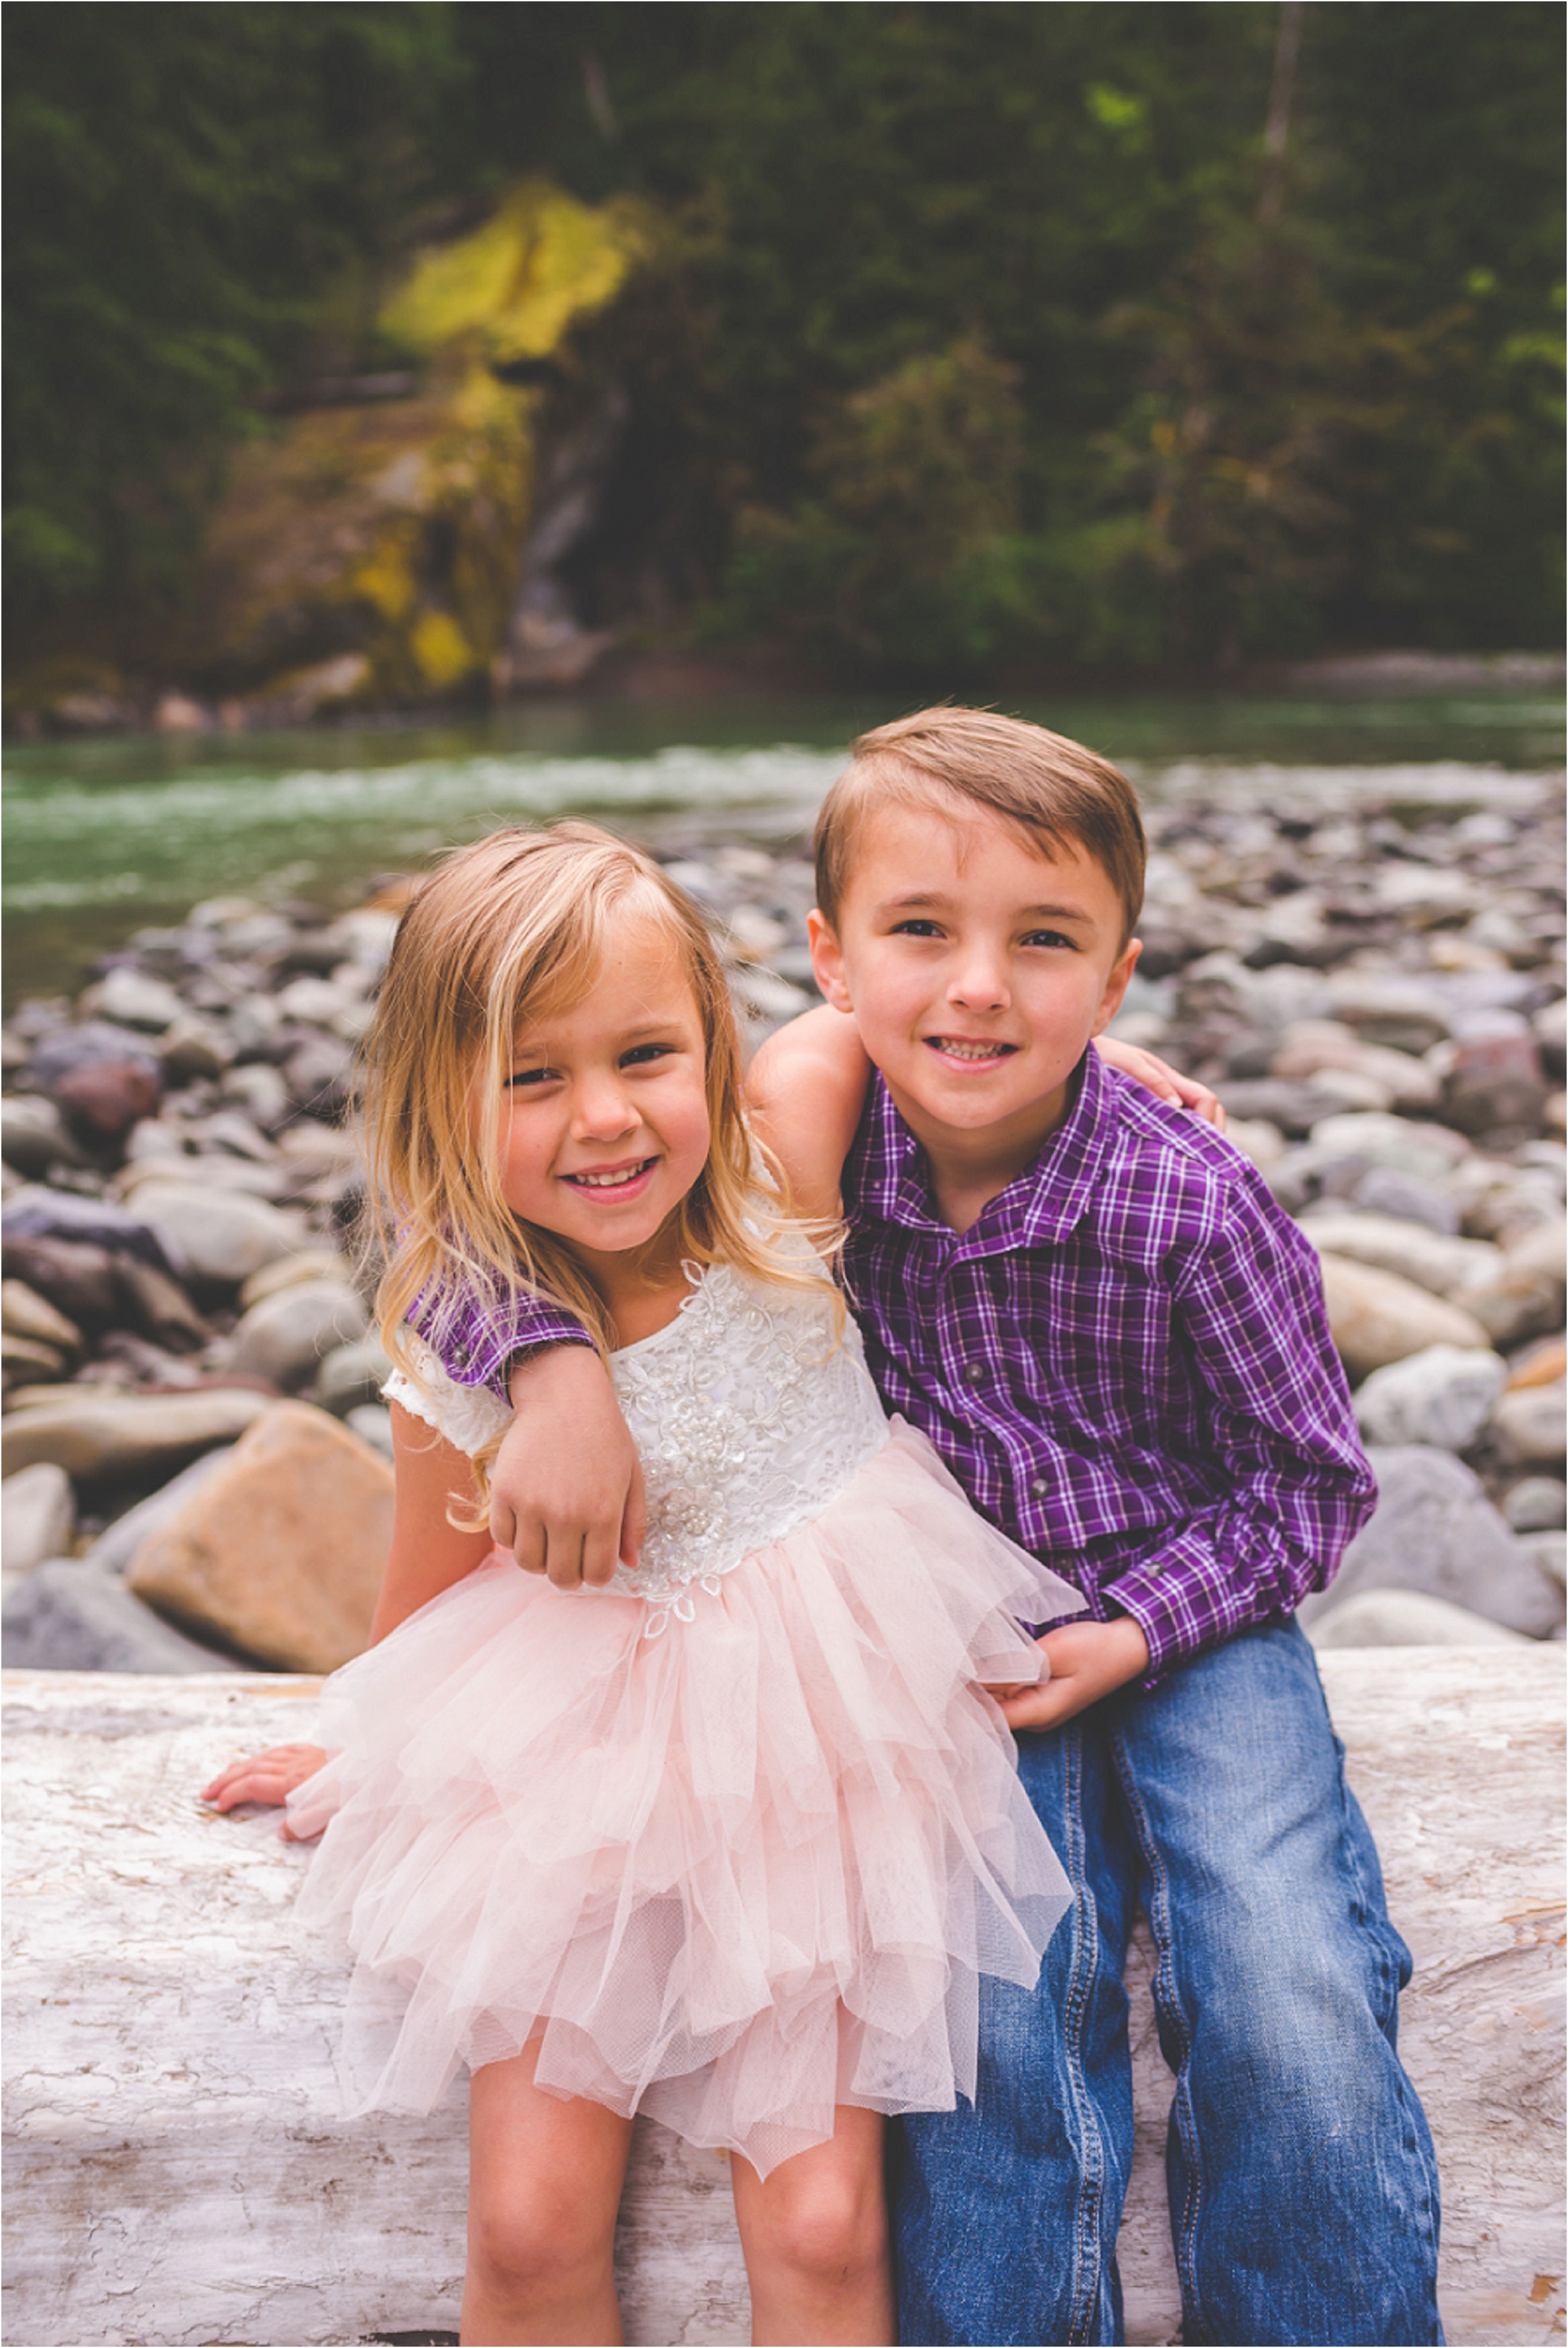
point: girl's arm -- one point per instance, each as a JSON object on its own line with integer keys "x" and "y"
{"x": 428, "y": 1555}
{"x": 805, "y": 1090}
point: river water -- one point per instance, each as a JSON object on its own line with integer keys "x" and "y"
{"x": 104, "y": 837}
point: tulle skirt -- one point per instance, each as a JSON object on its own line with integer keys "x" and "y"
{"x": 731, "y": 1876}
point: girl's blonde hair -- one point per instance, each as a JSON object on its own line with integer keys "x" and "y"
{"x": 505, "y": 931}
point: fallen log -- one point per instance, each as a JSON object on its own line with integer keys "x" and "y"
{"x": 175, "y": 2171}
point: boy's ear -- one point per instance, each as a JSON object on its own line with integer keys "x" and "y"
{"x": 827, "y": 962}
{"x": 1116, "y": 985}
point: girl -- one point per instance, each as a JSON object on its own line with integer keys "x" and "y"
{"x": 732, "y": 1839}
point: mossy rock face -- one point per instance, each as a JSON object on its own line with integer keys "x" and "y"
{"x": 392, "y": 531}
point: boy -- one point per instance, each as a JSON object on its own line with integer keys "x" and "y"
{"x": 1094, "y": 1308}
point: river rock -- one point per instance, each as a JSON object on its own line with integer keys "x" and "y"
{"x": 1494, "y": 1076}
{"x": 34, "y": 1135}
{"x": 352, "y": 1375}
{"x": 133, "y": 998}
{"x": 70, "y": 1616}
{"x": 92, "y": 1432}
{"x": 38, "y": 1212}
{"x": 218, "y": 1237}
{"x": 94, "y": 1042}
{"x": 38, "y": 1517}
{"x": 24, "y": 1314}
{"x": 1374, "y": 1317}
{"x": 1311, "y": 1047}
{"x": 261, "y": 1090}
{"x": 1385, "y": 1008}
{"x": 1407, "y": 1617}
{"x": 102, "y": 1102}
{"x": 1538, "y": 1504}
{"x": 1440, "y": 1396}
{"x": 312, "y": 1263}
{"x": 286, "y": 1336}
{"x": 281, "y": 1553}
{"x": 1435, "y": 1530}
{"x": 1529, "y": 1425}
{"x": 372, "y": 1422}
{"x": 119, "y": 1542}
{"x": 1432, "y": 1260}
{"x": 1521, "y": 1294}
{"x": 191, "y": 1045}
{"x": 82, "y": 1280}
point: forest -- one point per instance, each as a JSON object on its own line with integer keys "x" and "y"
{"x": 959, "y": 342}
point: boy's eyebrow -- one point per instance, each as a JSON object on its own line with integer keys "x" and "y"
{"x": 939, "y": 898}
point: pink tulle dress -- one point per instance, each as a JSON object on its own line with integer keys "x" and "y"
{"x": 734, "y": 1838}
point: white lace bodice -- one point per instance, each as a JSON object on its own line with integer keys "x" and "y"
{"x": 747, "y": 1418}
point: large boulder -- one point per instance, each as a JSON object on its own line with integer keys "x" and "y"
{"x": 216, "y": 1237}
{"x": 1374, "y": 1317}
{"x": 280, "y": 1553}
{"x": 71, "y": 1616}
{"x": 1435, "y": 1530}
{"x": 1440, "y": 1396}
{"x": 38, "y": 1517}
{"x": 94, "y": 1433}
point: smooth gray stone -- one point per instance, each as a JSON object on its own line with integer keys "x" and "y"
{"x": 1531, "y": 1426}
{"x": 286, "y": 1336}
{"x": 352, "y": 1375}
{"x": 372, "y": 1422}
{"x": 1537, "y": 1505}
{"x": 119, "y": 1542}
{"x": 1435, "y": 1530}
{"x": 1406, "y": 1618}
{"x": 1440, "y": 1396}
{"x": 38, "y": 1516}
{"x": 34, "y": 1135}
{"x": 70, "y": 1616}
{"x": 1550, "y": 1551}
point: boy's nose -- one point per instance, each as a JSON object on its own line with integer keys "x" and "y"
{"x": 978, "y": 984}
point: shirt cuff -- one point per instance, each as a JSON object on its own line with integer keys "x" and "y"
{"x": 1180, "y": 1612}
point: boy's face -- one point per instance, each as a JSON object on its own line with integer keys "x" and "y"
{"x": 977, "y": 969}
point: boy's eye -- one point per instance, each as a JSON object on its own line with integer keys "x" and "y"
{"x": 917, "y": 928}
{"x": 1049, "y": 938}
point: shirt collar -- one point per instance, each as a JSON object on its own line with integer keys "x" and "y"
{"x": 1041, "y": 1205}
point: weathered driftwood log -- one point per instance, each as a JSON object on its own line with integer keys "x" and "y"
{"x": 176, "y": 2172}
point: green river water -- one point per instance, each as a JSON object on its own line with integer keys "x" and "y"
{"x": 103, "y": 838}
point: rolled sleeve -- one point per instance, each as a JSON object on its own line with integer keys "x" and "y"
{"x": 480, "y": 1339}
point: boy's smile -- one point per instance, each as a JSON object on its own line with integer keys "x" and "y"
{"x": 978, "y": 968}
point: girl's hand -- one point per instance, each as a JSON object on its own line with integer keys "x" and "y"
{"x": 1157, "y": 1077}
{"x": 270, "y": 1777}
{"x": 566, "y": 1486}
{"x": 1086, "y": 1660}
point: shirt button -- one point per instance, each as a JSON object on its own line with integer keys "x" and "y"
{"x": 974, "y": 1372}
{"x": 461, "y": 1356}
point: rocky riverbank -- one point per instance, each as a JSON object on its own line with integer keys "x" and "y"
{"x": 195, "y": 1454}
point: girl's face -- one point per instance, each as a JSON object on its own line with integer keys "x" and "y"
{"x": 604, "y": 1128}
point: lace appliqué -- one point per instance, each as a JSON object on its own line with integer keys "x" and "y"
{"x": 747, "y": 1416}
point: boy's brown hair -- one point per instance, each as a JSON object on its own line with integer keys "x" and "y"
{"x": 1049, "y": 789}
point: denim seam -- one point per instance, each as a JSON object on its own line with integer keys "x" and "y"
{"x": 1167, "y": 1999}
{"x": 1088, "y": 2281}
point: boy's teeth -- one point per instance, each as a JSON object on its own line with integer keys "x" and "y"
{"x": 971, "y": 1050}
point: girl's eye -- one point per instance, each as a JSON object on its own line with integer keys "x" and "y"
{"x": 521, "y": 1077}
{"x": 641, "y": 1054}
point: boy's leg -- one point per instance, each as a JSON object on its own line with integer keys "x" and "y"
{"x": 1005, "y": 2215}
{"x": 1304, "y": 2190}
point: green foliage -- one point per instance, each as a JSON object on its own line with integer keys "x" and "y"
{"x": 182, "y": 182}
{"x": 962, "y": 344}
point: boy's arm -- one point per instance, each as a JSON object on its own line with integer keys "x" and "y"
{"x": 1282, "y": 1435}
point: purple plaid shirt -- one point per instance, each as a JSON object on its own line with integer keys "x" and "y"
{"x": 1125, "y": 1361}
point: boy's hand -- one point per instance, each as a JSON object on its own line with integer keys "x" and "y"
{"x": 1088, "y": 1660}
{"x": 1157, "y": 1077}
{"x": 270, "y": 1777}
{"x": 566, "y": 1488}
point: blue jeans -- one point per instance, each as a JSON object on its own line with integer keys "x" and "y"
{"x": 1303, "y": 2186}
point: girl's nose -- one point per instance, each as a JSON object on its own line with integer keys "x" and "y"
{"x": 604, "y": 1108}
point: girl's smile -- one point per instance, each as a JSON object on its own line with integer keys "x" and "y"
{"x": 605, "y": 1125}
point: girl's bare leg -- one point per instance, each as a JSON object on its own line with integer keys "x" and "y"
{"x": 814, "y": 2232}
{"x": 544, "y": 2185}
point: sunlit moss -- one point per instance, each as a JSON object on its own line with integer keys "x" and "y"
{"x": 514, "y": 287}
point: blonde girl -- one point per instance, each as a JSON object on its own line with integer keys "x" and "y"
{"x": 731, "y": 1837}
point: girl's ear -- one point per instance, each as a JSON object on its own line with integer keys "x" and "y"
{"x": 827, "y": 961}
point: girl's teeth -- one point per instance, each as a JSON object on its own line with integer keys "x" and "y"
{"x": 610, "y": 1181}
